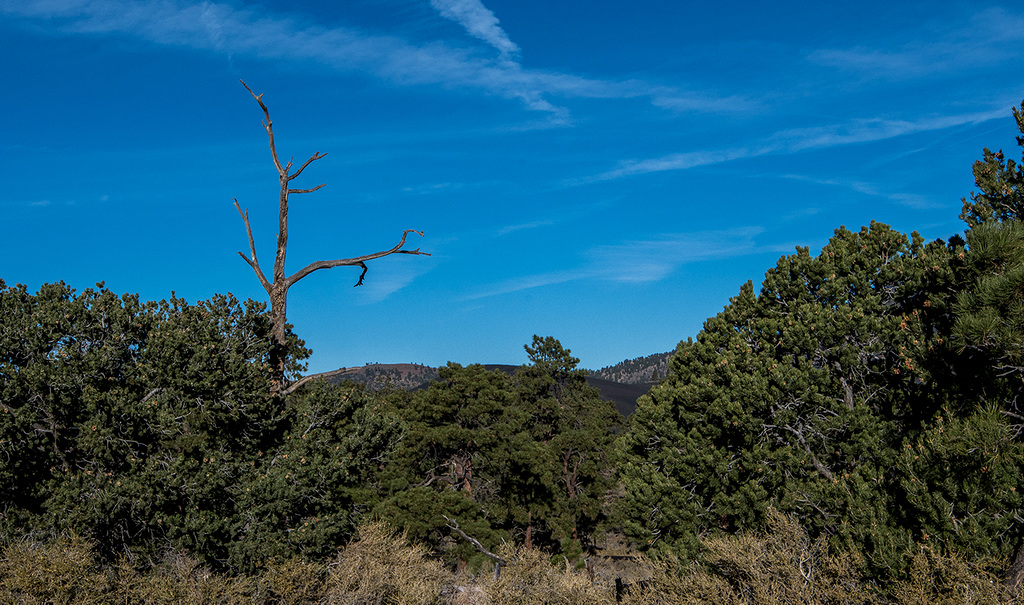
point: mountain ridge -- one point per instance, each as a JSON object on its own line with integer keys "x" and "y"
{"x": 622, "y": 383}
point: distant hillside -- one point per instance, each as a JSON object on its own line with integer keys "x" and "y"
{"x": 377, "y": 376}
{"x": 624, "y": 396}
{"x": 637, "y": 371}
{"x": 412, "y": 376}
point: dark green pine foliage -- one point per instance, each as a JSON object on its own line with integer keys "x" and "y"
{"x": 798, "y": 398}
{"x": 147, "y": 426}
{"x": 66, "y": 364}
{"x": 991, "y": 309}
{"x": 570, "y": 435}
{"x": 962, "y": 483}
{"x": 456, "y": 460}
{"x": 111, "y": 406}
{"x": 522, "y": 458}
{"x": 1001, "y": 185}
{"x": 990, "y": 324}
{"x": 306, "y": 493}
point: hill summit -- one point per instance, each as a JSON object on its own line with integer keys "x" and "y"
{"x": 621, "y": 383}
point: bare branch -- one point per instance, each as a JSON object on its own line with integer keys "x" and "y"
{"x": 152, "y": 394}
{"x": 498, "y": 561}
{"x": 278, "y": 288}
{"x": 358, "y": 261}
{"x": 316, "y": 156}
{"x": 306, "y": 379}
{"x": 255, "y": 264}
{"x": 1011, "y": 414}
{"x": 290, "y": 191}
{"x": 362, "y": 275}
{"x": 434, "y": 476}
{"x": 269, "y": 127}
{"x": 814, "y": 459}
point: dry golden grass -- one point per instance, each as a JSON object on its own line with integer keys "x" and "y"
{"x": 382, "y": 568}
{"x": 952, "y": 580}
{"x": 529, "y": 578}
{"x": 777, "y": 567}
{"x": 294, "y": 582}
{"x": 179, "y": 579}
{"x": 780, "y": 566}
{"x": 63, "y": 572}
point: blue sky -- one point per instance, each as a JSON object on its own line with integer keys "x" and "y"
{"x": 607, "y": 173}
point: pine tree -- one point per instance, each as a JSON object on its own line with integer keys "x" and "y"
{"x": 144, "y": 426}
{"x": 571, "y": 428}
{"x": 991, "y": 311}
{"x": 990, "y": 323}
{"x": 456, "y": 460}
{"x": 797, "y": 398}
{"x": 521, "y": 457}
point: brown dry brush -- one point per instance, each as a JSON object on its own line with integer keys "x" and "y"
{"x": 779, "y": 566}
{"x": 783, "y": 565}
{"x": 529, "y": 578}
{"x": 381, "y": 568}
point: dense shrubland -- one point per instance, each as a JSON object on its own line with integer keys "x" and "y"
{"x": 847, "y": 433}
{"x": 870, "y": 391}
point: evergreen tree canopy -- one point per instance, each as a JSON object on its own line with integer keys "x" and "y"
{"x": 573, "y": 428}
{"x": 801, "y": 399}
{"x": 1000, "y": 195}
{"x": 990, "y": 311}
{"x": 455, "y": 459}
{"x": 519, "y": 456}
{"x": 146, "y": 426}
{"x": 870, "y": 391}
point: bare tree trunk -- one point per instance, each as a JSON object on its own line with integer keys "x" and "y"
{"x": 1013, "y": 576}
{"x": 528, "y": 542}
{"x": 277, "y": 290}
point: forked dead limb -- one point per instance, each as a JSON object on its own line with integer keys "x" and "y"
{"x": 498, "y": 561}
{"x": 277, "y": 287}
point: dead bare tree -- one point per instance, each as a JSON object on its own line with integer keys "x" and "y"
{"x": 277, "y": 289}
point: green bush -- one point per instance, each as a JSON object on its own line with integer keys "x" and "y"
{"x": 147, "y": 426}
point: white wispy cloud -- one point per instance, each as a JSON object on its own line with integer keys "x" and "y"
{"x": 383, "y": 280}
{"x": 654, "y": 259}
{"x": 870, "y": 130}
{"x": 254, "y": 32}
{"x": 525, "y": 283}
{"x": 523, "y": 226}
{"x": 990, "y": 37}
{"x": 704, "y": 102}
{"x": 478, "y": 21}
{"x": 799, "y": 139}
{"x": 676, "y": 161}
{"x": 638, "y": 261}
{"x": 911, "y": 200}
